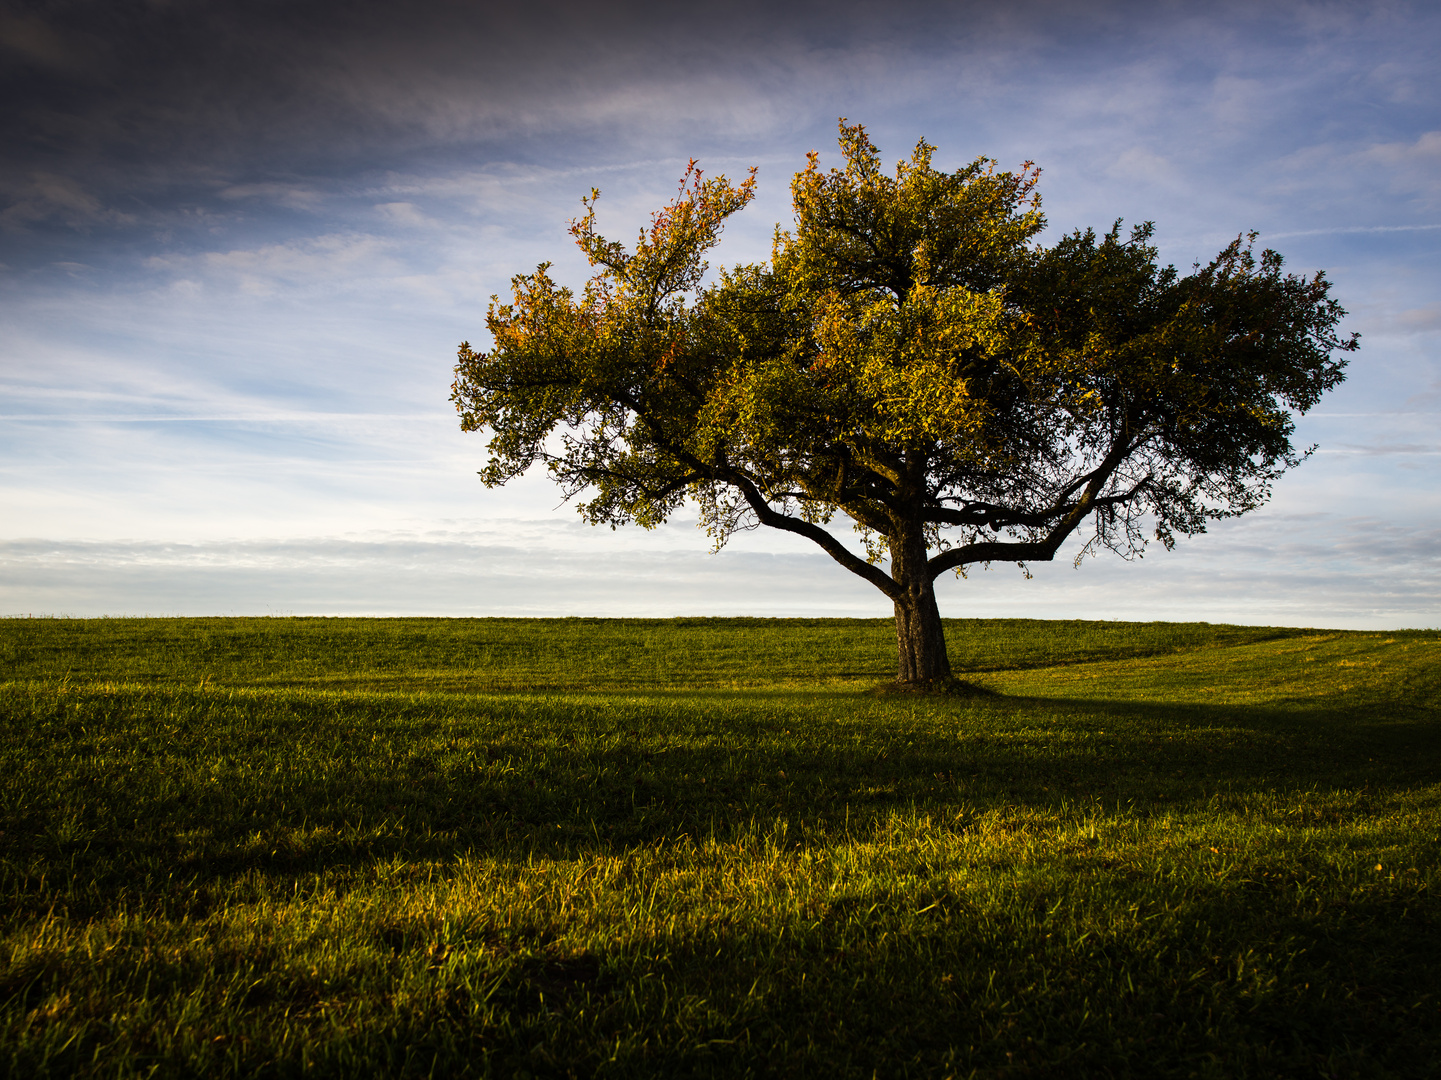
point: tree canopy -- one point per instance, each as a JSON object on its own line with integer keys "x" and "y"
{"x": 910, "y": 358}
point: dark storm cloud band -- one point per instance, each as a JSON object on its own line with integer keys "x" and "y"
{"x": 136, "y": 95}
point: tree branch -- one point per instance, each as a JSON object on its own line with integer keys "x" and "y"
{"x": 990, "y": 516}
{"x": 767, "y": 515}
{"x": 764, "y": 512}
{"x": 1045, "y": 550}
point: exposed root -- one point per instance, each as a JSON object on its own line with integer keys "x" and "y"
{"x": 950, "y": 686}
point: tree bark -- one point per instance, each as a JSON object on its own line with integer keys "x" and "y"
{"x": 920, "y": 641}
{"x": 920, "y": 638}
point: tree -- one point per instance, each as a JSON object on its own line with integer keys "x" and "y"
{"x": 912, "y": 359}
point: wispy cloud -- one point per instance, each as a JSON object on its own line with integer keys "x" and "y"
{"x": 1383, "y": 449}
{"x": 304, "y": 262}
{"x": 1420, "y": 320}
{"x": 294, "y": 196}
{"x": 1341, "y": 230}
{"x": 29, "y": 38}
{"x": 49, "y": 197}
{"x": 1411, "y": 166}
{"x": 1314, "y": 570}
{"x": 231, "y": 418}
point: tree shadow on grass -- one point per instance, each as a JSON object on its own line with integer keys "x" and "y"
{"x": 870, "y": 989}
{"x": 611, "y": 773}
{"x": 880, "y": 977}
{"x": 871, "y": 986}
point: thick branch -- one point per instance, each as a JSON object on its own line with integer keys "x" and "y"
{"x": 767, "y": 515}
{"x": 764, "y": 512}
{"x": 988, "y": 515}
{"x": 979, "y": 514}
{"x": 1044, "y": 550}
{"x": 999, "y": 551}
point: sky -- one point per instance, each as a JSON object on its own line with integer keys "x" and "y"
{"x": 240, "y": 243}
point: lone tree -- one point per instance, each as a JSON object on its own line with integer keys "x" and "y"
{"x": 911, "y": 358}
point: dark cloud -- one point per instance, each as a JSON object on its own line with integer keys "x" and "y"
{"x": 231, "y": 86}
{"x": 165, "y": 117}
{"x": 170, "y": 115}
{"x": 149, "y": 92}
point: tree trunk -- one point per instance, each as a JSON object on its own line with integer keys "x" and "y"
{"x": 920, "y": 638}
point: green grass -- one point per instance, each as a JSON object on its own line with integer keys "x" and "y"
{"x": 703, "y": 847}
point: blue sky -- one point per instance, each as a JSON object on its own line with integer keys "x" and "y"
{"x": 240, "y": 243}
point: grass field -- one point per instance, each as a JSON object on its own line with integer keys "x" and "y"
{"x": 254, "y": 847}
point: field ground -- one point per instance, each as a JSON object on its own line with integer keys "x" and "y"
{"x": 256, "y": 847}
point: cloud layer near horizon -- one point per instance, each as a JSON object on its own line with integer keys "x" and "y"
{"x": 240, "y": 244}
{"x": 1291, "y": 570}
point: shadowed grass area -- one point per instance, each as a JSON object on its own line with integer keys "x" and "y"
{"x": 704, "y": 847}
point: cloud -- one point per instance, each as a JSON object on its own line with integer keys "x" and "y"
{"x": 1236, "y": 100}
{"x": 268, "y": 416}
{"x": 406, "y": 215}
{"x": 1309, "y": 570}
{"x": 1425, "y": 151}
{"x": 1410, "y": 167}
{"x": 460, "y": 574}
{"x": 1343, "y": 230}
{"x": 1383, "y": 449}
{"x": 233, "y": 89}
{"x": 301, "y": 100}
{"x": 306, "y": 263}
{"x": 49, "y": 197}
{"x": 238, "y": 88}
{"x": 33, "y": 40}
{"x": 1143, "y": 164}
{"x": 1420, "y": 320}
{"x": 294, "y": 196}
